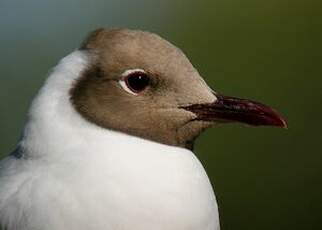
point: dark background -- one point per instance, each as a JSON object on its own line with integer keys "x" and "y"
{"x": 264, "y": 178}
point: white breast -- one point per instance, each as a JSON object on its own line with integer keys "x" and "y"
{"x": 143, "y": 185}
{"x": 133, "y": 185}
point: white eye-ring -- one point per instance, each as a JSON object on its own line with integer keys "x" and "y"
{"x": 134, "y": 81}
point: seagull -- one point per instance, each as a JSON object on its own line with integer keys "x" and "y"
{"x": 108, "y": 141}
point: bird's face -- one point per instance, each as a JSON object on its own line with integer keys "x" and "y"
{"x": 140, "y": 84}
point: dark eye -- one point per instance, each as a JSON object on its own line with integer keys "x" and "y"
{"x": 135, "y": 82}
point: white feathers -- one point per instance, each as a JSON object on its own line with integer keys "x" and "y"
{"x": 76, "y": 175}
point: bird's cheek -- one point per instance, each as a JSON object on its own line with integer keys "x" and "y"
{"x": 177, "y": 117}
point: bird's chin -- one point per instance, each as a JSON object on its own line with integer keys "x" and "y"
{"x": 190, "y": 131}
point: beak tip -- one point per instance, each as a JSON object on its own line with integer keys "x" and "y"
{"x": 283, "y": 123}
{"x": 274, "y": 119}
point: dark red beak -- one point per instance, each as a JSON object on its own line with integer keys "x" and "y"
{"x": 230, "y": 109}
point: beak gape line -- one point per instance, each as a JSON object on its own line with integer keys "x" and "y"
{"x": 231, "y": 109}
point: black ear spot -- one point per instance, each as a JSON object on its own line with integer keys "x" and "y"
{"x": 89, "y": 76}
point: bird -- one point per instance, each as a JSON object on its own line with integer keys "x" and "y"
{"x": 109, "y": 138}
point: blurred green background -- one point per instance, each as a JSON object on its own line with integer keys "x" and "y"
{"x": 264, "y": 178}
